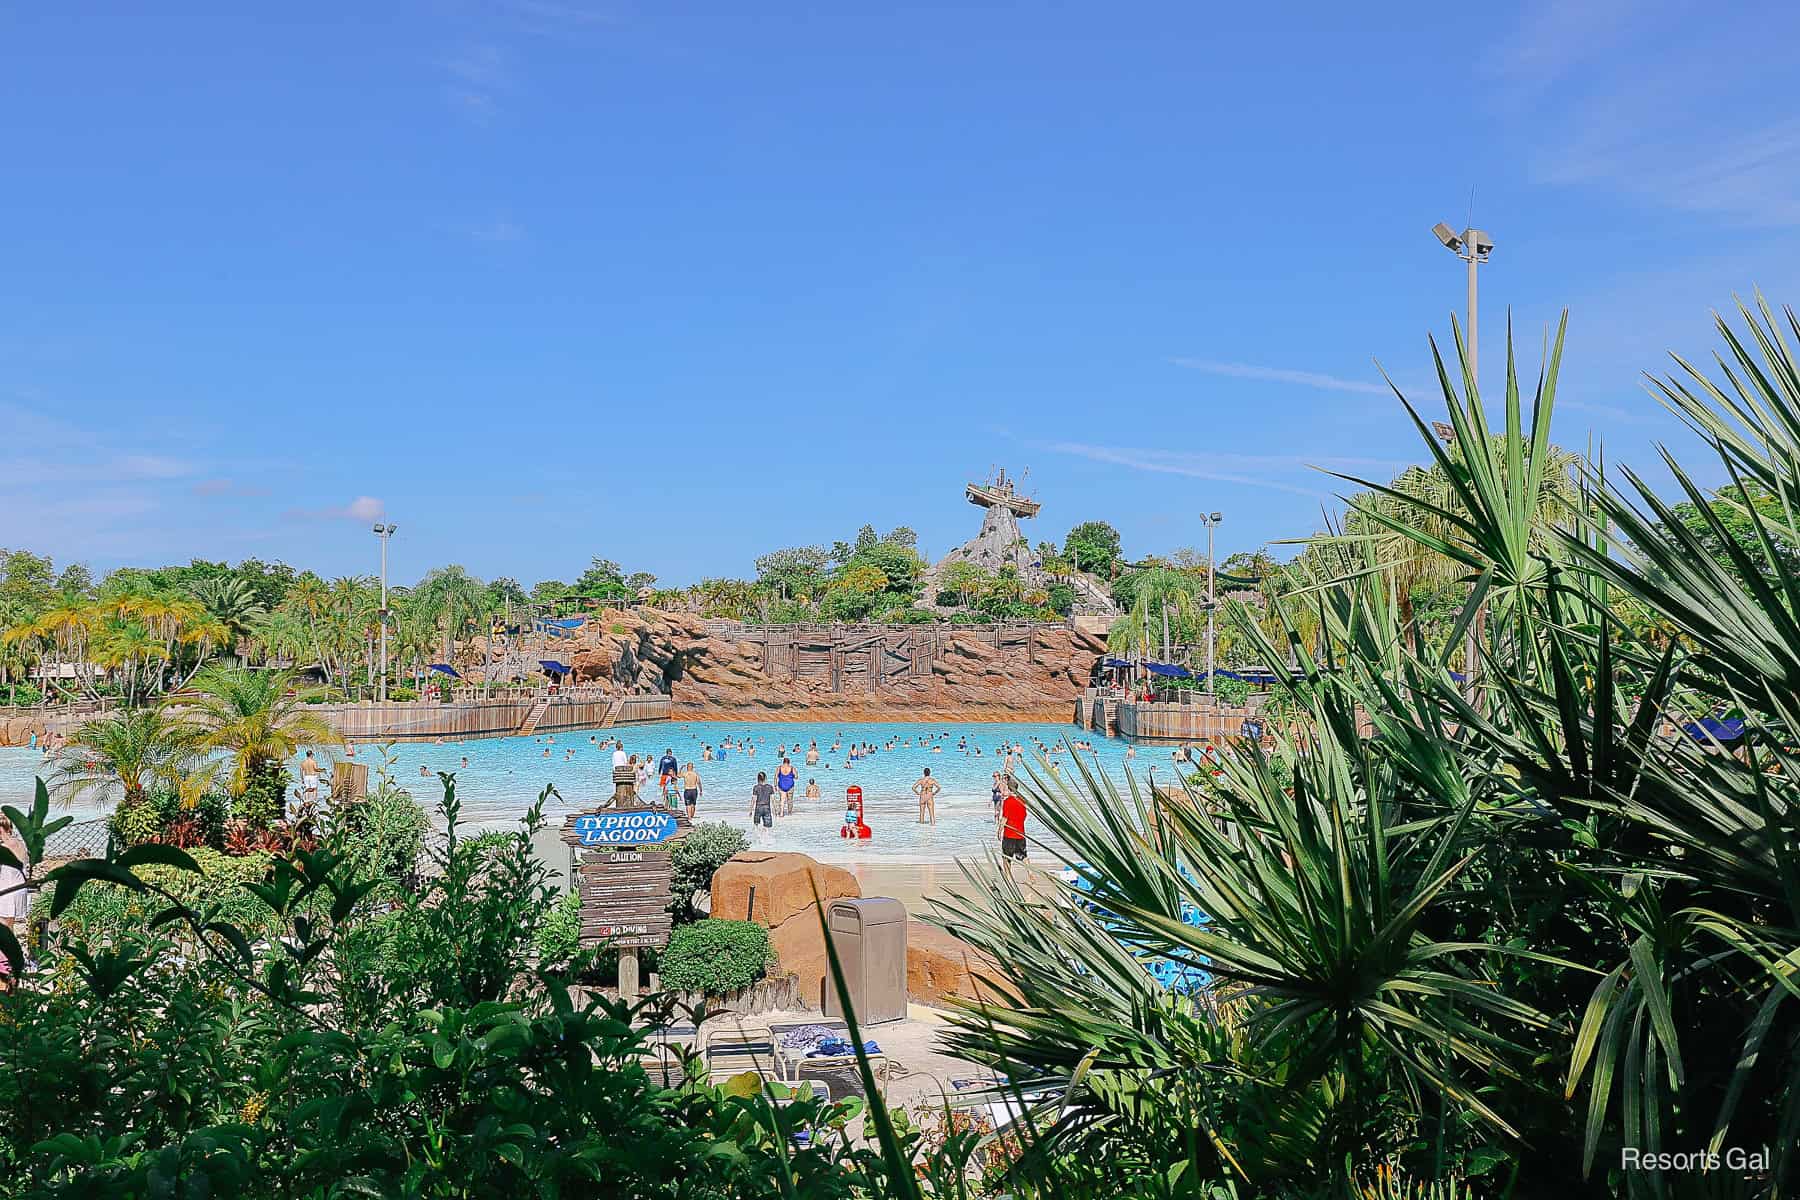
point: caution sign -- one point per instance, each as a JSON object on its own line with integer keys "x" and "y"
{"x": 625, "y": 875}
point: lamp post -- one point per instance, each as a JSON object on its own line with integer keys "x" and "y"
{"x": 1211, "y": 521}
{"x": 1472, "y": 246}
{"x": 384, "y": 532}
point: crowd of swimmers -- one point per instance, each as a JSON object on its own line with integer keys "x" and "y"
{"x": 679, "y": 785}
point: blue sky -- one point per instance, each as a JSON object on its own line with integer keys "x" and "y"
{"x": 674, "y": 284}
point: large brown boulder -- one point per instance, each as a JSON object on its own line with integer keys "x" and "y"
{"x": 777, "y": 890}
{"x": 939, "y": 966}
{"x": 785, "y": 885}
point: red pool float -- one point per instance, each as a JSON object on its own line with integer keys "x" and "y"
{"x": 854, "y": 826}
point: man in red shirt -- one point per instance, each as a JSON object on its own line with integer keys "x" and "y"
{"x": 1012, "y": 824}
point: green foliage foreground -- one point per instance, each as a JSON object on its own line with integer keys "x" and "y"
{"x": 377, "y": 1047}
{"x": 1518, "y": 934}
{"x": 1503, "y": 935}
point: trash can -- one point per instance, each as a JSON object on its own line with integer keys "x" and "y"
{"x": 556, "y": 856}
{"x": 870, "y": 936}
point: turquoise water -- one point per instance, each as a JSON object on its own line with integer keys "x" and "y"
{"x": 504, "y": 775}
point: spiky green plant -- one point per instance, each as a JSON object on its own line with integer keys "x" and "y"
{"x": 1475, "y": 900}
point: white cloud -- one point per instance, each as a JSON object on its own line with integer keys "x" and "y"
{"x": 498, "y": 231}
{"x": 363, "y": 508}
{"x": 558, "y": 16}
{"x": 1650, "y": 100}
{"x": 481, "y": 66}
{"x": 1311, "y": 379}
{"x": 1247, "y": 470}
{"x": 228, "y": 487}
{"x": 150, "y": 466}
{"x": 479, "y": 75}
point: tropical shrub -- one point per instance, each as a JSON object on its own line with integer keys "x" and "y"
{"x": 558, "y": 937}
{"x": 715, "y": 957}
{"x": 136, "y": 821}
{"x": 694, "y": 860}
{"x": 263, "y": 800}
{"x": 1232, "y": 692}
{"x": 381, "y": 836}
{"x": 317, "y": 1063}
{"x": 1492, "y": 919}
{"x": 22, "y": 695}
{"x": 106, "y": 913}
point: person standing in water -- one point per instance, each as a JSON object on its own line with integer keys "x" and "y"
{"x": 926, "y": 789}
{"x": 785, "y": 780}
{"x": 1012, "y": 826}
{"x": 762, "y": 802}
{"x": 690, "y": 790}
{"x": 309, "y": 778}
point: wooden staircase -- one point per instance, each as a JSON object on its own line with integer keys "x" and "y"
{"x": 539, "y": 707}
{"x": 612, "y": 712}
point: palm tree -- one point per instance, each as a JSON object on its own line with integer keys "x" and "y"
{"x": 67, "y": 629}
{"x": 455, "y": 597}
{"x": 122, "y": 755}
{"x": 19, "y": 647}
{"x": 310, "y": 597}
{"x": 1155, "y": 592}
{"x": 128, "y": 647}
{"x": 282, "y": 636}
{"x": 233, "y": 603}
{"x": 257, "y": 717}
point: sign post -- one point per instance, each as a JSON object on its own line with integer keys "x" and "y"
{"x": 625, "y": 878}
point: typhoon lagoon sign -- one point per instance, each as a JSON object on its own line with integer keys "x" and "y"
{"x": 641, "y": 828}
{"x": 624, "y": 874}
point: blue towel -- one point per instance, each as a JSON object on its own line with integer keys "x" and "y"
{"x": 837, "y": 1047}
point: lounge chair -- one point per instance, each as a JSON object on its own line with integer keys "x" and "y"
{"x": 730, "y": 1052}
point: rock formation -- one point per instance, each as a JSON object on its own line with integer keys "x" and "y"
{"x": 711, "y": 675}
{"x": 1002, "y": 543}
{"x": 937, "y": 965}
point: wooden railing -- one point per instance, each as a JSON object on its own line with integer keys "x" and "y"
{"x": 74, "y": 708}
{"x": 733, "y": 629}
{"x": 574, "y": 708}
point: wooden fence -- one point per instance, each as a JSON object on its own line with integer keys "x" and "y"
{"x": 75, "y": 708}
{"x": 411, "y": 722}
{"x": 1196, "y": 719}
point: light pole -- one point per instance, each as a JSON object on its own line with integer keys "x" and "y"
{"x": 1211, "y": 521}
{"x": 384, "y": 532}
{"x": 1472, "y": 246}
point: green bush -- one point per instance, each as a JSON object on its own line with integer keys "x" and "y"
{"x": 103, "y": 912}
{"x": 383, "y": 835}
{"x": 24, "y": 695}
{"x": 149, "y": 819}
{"x": 264, "y": 798}
{"x": 137, "y": 821}
{"x": 559, "y": 937}
{"x": 414, "y": 1050}
{"x": 715, "y": 956}
{"x": 695, "y": 858}
{"x": 1230, "y": 691}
